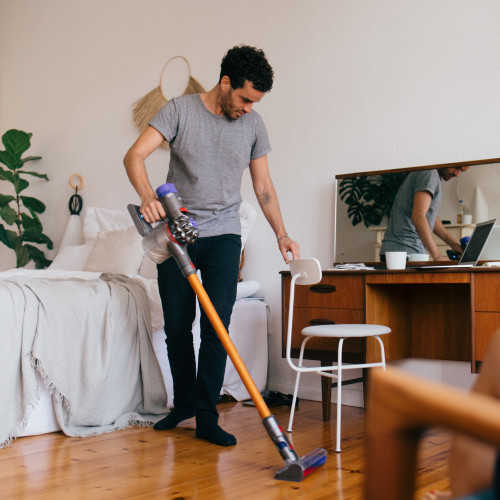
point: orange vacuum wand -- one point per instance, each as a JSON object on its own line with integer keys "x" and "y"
{"x": 295, "y": 468}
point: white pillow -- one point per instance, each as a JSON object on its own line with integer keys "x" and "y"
{"x": 101, "y": 220}
{"x": 96, "y": 220}
{"x": 247, "y": 219}
{"x": 247, "y": 289}
{"x": 118, "y": 252}
{"x": 72, "y": 257}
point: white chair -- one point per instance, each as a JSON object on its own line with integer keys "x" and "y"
{"x": 308, "y": 272}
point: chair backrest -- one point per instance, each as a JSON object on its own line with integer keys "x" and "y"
{"x": 309, "y": 271}
{"x": 304, "y": 272}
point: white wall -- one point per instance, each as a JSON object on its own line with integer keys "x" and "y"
{"x": 360, "y": 85}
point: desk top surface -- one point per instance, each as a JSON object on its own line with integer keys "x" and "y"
{"x": 416, "y": 270}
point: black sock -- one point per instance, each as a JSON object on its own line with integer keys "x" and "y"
{"x": 215, "y": 434}
{"x": 172, "y": 419}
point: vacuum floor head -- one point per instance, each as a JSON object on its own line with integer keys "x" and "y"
{"x": 301, "y": 468}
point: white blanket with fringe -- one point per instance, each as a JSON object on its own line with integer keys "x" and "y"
{"x": 90, "y": 341}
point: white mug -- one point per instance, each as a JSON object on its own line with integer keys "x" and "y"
{"x": 467, "y": 219}
{"x": 395, "y": 260}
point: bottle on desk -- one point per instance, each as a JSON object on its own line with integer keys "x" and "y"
{"x": 460, "y": 211}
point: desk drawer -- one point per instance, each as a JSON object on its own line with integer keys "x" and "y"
{"x": 332, "y": 292}
{"x": 487, "y": 292}
{"x": 308, "y": 316}
{"x": 487, "y": 323}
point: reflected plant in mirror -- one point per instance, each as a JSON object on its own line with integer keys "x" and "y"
{"x": 370, "y": 198}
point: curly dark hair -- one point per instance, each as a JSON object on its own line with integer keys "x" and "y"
{"x": 247, "y": 63}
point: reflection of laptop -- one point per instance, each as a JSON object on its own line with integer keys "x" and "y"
{"x": 473, "y": 249}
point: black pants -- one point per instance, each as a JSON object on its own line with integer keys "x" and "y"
{"x": 218, "y": 259}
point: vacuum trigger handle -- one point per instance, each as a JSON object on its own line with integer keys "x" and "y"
{"x": 141, "y": 225}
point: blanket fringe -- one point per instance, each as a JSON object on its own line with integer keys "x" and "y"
{"x": 140, "y": 423}
{"x": 23, "y": 423}
{"x": 53, "y": 390}
{"x": 7, "y": 441}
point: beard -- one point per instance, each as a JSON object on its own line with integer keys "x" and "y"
{"x": 228, "y": 109}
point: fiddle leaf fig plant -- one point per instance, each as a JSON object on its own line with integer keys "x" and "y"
{"x": 20, "y": 212}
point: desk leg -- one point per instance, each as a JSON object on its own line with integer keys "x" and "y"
{"x": 326, "y": 393}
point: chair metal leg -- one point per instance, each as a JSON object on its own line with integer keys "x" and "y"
{"x": 339, "y": 393}
{"x": 382, "y": 351}
{"x": 294, "y": 400}
{"x": 297, "y": 380}
{"x": 366, "y": 371}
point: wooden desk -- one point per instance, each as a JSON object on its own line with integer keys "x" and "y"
{"x": 448, "y": 314}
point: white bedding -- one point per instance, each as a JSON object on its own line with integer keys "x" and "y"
{"x": 90, "y": 340}
{"x": 109, "y": 246}
{"x": 248, "y": 330}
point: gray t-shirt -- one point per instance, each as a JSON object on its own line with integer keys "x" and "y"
{"x": 401, "y": 234}
{"x": 208, "y": 154}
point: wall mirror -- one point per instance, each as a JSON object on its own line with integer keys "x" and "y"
{"x": 478, "y": 188}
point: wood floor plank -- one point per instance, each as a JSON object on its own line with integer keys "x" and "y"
{"x": 138, "y": 463}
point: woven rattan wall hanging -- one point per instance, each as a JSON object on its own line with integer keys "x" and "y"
{"x": 146, "y": 107}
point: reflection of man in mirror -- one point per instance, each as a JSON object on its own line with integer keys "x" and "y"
{"x": 413, "y": 216}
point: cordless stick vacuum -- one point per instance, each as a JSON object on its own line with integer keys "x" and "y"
{"x": 169, "y": 238}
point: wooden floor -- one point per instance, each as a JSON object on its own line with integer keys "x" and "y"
{"x": 144, "y": 463}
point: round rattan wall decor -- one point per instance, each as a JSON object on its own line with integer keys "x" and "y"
{"x": 145, "y": 108}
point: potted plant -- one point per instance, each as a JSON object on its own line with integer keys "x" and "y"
{"x": 18, "y": 211}
{"x": 369, "y": 198}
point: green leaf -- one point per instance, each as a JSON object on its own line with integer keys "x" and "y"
{"x": 7, "y": 158}
{"x": 26, "y": 159}
{"x": 36, "y": 174}
{"x": 5, "y": 237}
{"x": 22, "y": 255}
{"x": 35, "y": 236}
{"x": 8, "y": 214}
{"x": 31, "y": 223}
{"x": 6, "y": 175}
{"x": 355, "y": 212}
{"x": 20, "y": 184}
{"x": 33, "y": 205}
{"x": 36, "y": 255}
{"x": 16, "y": 142}
{"x": 5, "y": 199}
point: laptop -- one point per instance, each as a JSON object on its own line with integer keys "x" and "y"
{"x": 472, "y": 251}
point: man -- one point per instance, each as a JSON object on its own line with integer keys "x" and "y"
{"x": 413, "y": 217}
{"x": 213, "y": 137}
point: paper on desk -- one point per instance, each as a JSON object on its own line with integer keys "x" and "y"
{"x": 491, "y": 264}
{"x": 356, "y": 267}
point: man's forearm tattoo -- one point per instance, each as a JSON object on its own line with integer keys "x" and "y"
{"x": 264, "y": 197}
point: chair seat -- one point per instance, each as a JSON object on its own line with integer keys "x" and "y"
{"x": 346, "y": 330}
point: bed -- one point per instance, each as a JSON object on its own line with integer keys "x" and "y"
{"x": 84, "y": 348}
